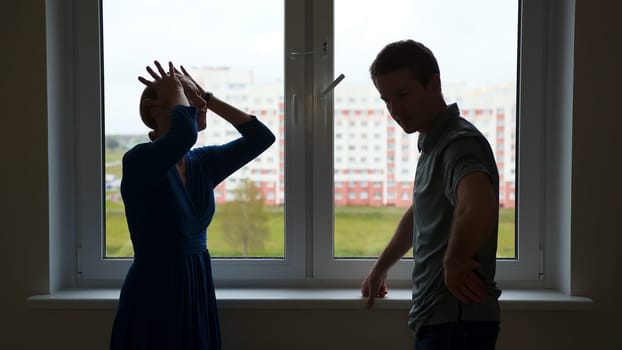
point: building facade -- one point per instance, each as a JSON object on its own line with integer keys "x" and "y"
{"x": 374, "y": 161}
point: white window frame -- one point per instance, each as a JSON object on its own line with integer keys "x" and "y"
{"x": 309, "y": 155}
{"x": 527, "y": 270}
{"x": 90, "y": 218}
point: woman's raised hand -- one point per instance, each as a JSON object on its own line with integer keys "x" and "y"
{"x": 197, "y": 86}
{"x": 168, "y": 86}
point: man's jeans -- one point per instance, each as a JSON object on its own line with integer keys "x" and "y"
{"x": 458, "y": 336}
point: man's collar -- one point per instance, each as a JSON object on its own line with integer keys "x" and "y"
{"x": 428, "y": 140}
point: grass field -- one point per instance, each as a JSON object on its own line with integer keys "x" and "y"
{"x": 359, "y": 232}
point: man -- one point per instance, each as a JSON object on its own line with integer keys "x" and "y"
{"x": 453, "y": 221}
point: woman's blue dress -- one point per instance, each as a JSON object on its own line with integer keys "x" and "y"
{"x": 168, "y": 299}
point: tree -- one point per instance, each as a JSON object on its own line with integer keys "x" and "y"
{"x": 244, "y": 221}
{"x": 112, "y": 143}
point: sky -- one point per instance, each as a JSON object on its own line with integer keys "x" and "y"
{"x": 474, "y": 41}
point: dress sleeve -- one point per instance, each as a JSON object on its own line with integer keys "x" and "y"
{"x": 147, "y": 164}
{"x": 227, "y": 158}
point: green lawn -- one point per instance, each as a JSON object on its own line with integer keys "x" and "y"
{"x": 359, "y": 232}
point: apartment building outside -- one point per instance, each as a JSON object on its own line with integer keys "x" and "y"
{"x": 374, "y": 160}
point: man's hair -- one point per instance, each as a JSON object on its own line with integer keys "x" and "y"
{"x": 145, "y": 114}
{"x": 406, "y": 54}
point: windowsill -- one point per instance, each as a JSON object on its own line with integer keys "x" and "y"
{"x": 300, "y": 298}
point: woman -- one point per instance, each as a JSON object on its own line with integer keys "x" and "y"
{"x": 168, "y": 300}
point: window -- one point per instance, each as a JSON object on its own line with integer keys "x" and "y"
{"x": 129, "y": 42}
{"x": 305, "y": 123}
{"x": 483, "y": 94}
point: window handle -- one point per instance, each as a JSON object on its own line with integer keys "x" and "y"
{"x": 332, "y": 85}
{"x": 294, "y": 54}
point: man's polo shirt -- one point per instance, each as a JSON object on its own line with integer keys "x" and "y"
{"x": 449, "y": 150}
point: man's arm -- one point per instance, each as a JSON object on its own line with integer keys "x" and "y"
{"x": 473, "y": 220}
{"x": 374, "y": 285}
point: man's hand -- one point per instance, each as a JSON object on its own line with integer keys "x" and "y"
{"x": 374, "y": 286}
{"x": 463, "y": 282}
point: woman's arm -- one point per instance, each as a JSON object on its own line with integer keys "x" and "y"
{"x": 224, "y": 110}
{"x": 175, "y": 129}
{"x": 147, "y": 164}
{"x": 229, "y": 157}
{"x": 225, "y": 159}
{"x": 227, "y": 112}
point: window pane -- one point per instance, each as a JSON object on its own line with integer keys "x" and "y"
{"x": 475, "y": 43}
{"x": 242, "y": 65}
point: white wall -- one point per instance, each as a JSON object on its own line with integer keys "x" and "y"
{"x": 595, "y": 224}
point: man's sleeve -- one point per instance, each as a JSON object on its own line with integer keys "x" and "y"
{"x": 463, "y": 156}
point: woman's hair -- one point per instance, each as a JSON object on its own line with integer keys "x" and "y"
{"x": 406, "y": 54}
{"x": 145, "y": 115}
